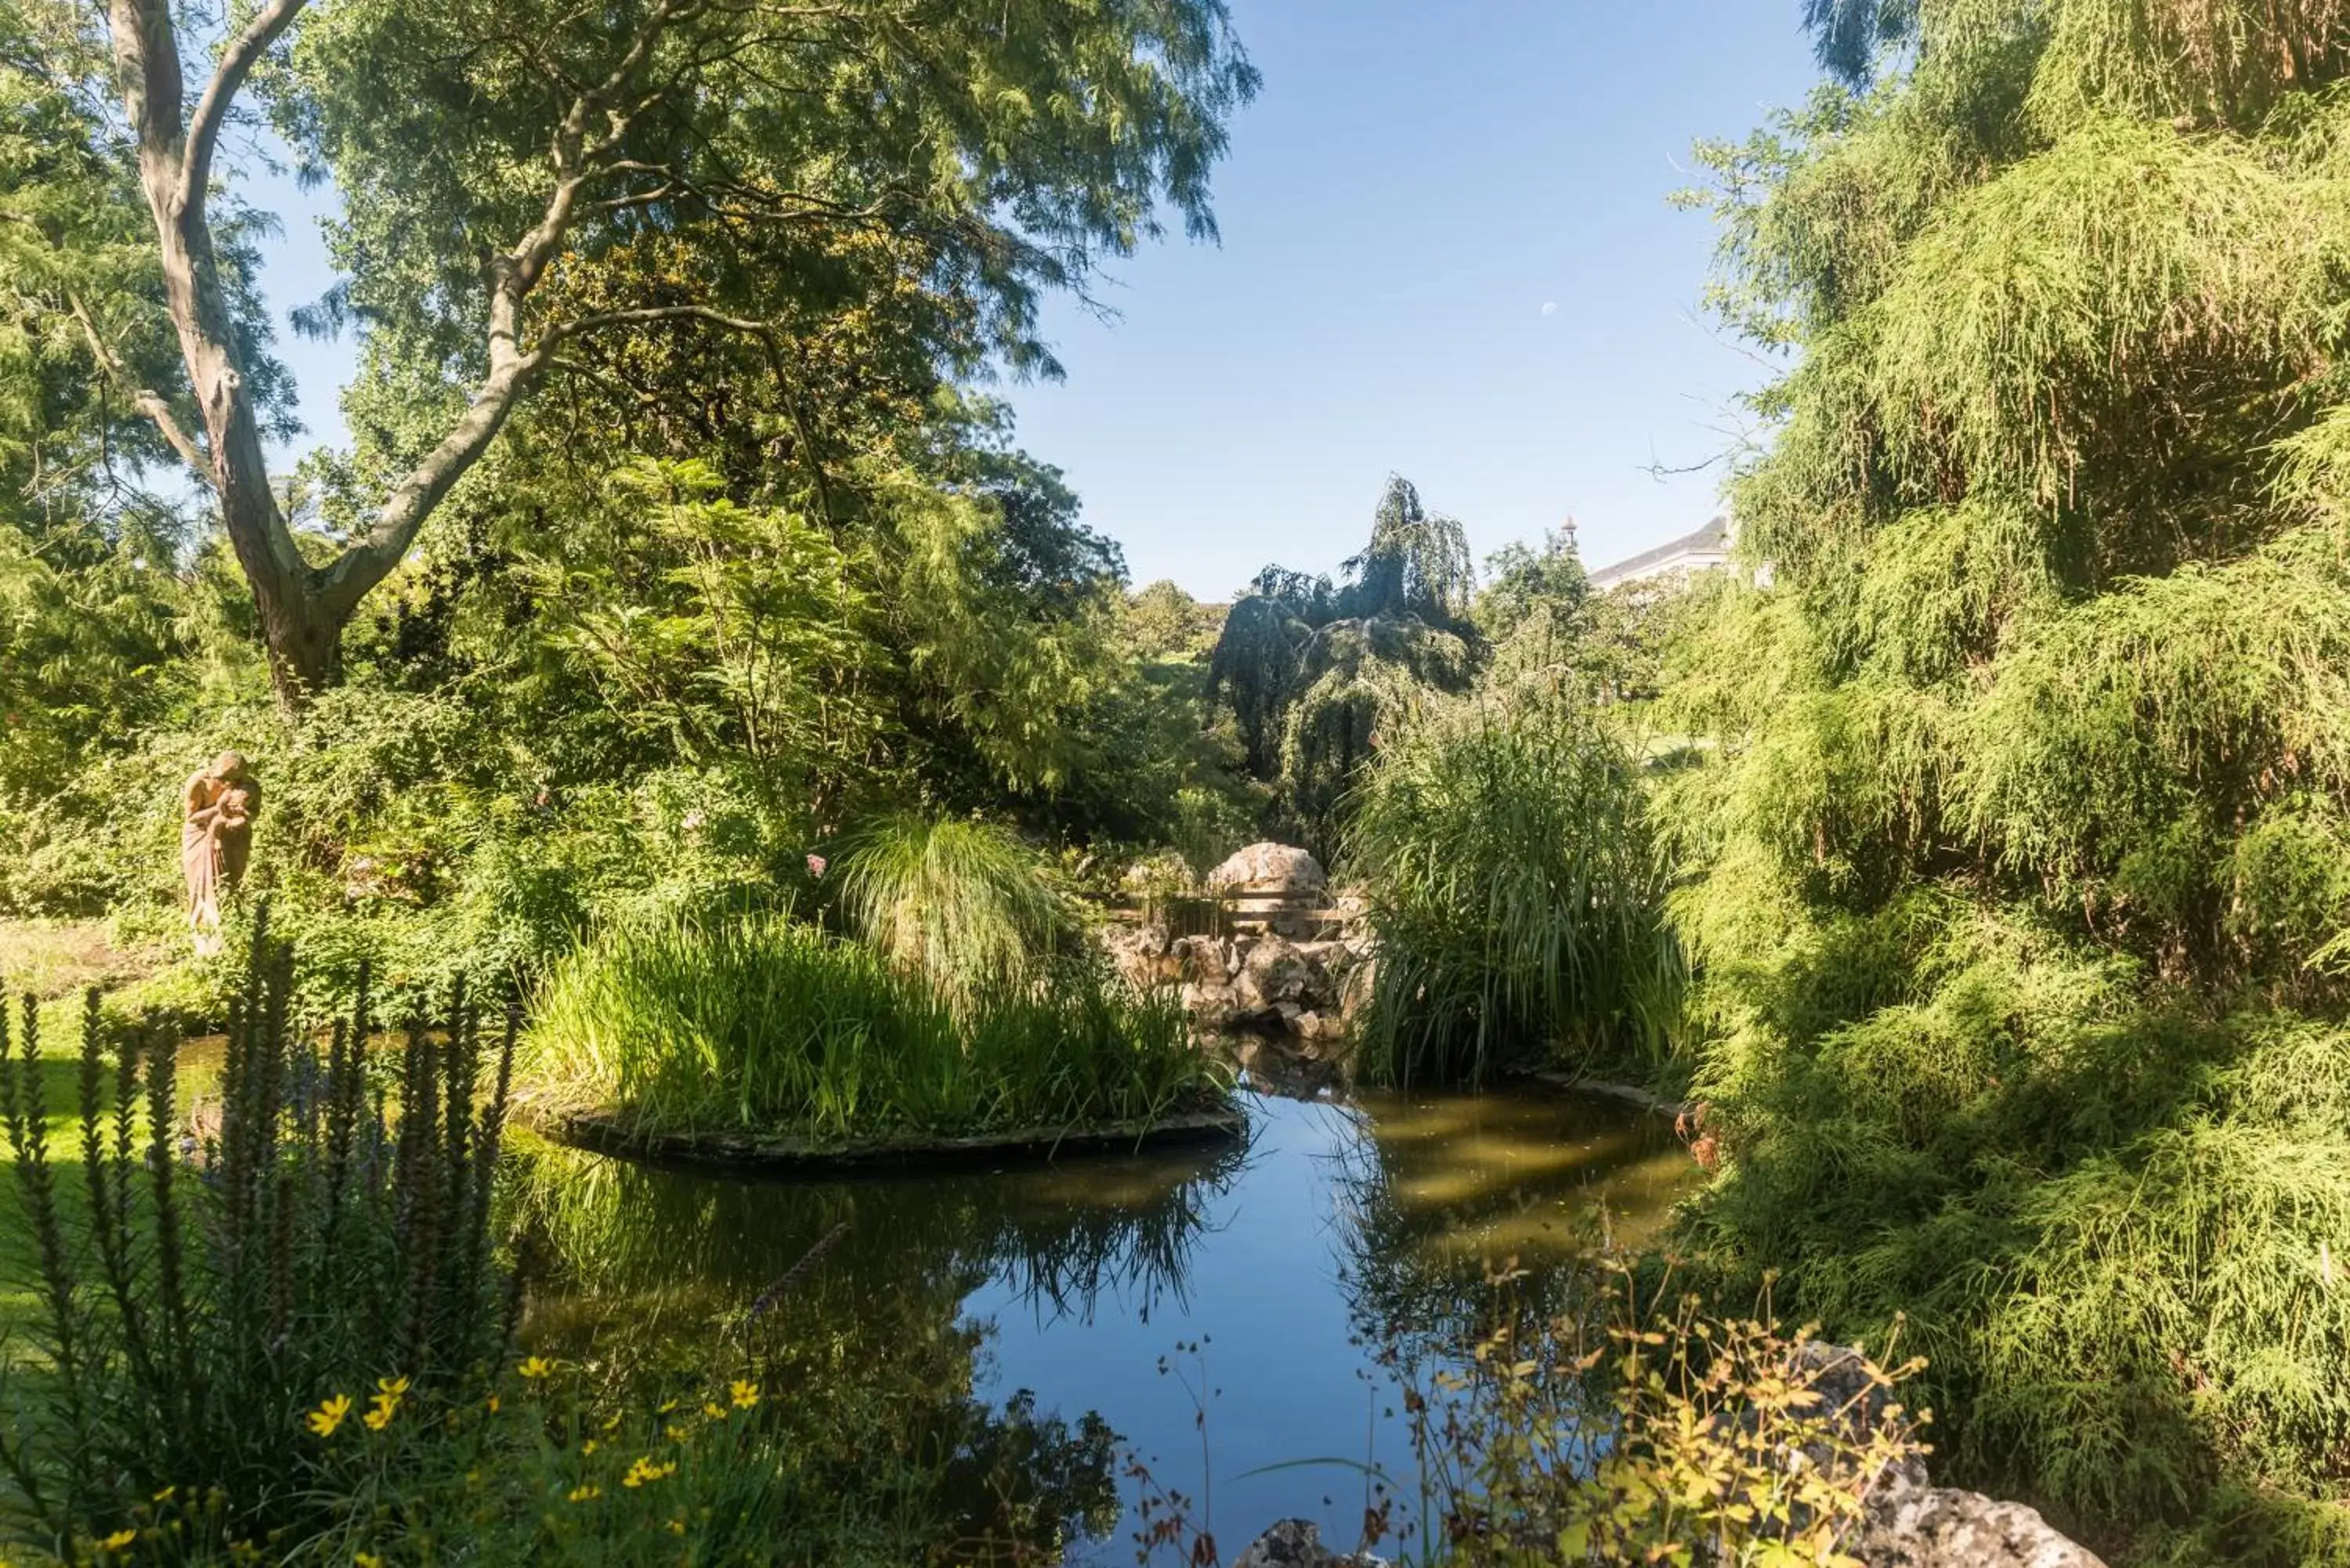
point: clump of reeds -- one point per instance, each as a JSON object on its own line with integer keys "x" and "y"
{"x": 330, "y": 1228}
{"x": 765, "y": 1025}
{"x": 1515, "y": 894}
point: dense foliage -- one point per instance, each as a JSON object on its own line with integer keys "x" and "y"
{"x": 536, "y": 198}
{"x": 1311, "y": 670}
{"x": 2022, "y": 848}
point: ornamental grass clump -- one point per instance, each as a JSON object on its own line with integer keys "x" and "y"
{"x": 323, "y": 1224}
{"x": 760, "y": 1025}
{"x": 964, "y": 904}
{"x": 1515, "y": 895}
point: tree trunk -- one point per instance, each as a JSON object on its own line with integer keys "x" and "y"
{"x": 304, "y": 607}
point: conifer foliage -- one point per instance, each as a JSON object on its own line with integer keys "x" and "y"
{"x": 2021, "y": 893}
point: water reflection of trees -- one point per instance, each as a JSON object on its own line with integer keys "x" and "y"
{"x": 650, "y": 1274}
{"x": 1457, "y": 1215}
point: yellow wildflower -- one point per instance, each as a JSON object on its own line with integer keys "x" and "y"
{"x": 322, "y": 1421}
{"x": 644, "y": 1471}
{"x": 118, "y": 1540}
{"x": 385, "y": 1402}
{"x": 167, "y": 1494}
{"x": 677, "y": 1527}
{"x": 585, "y": 1493}
{"x": 366, "y": 1560}
{"x": 589, "y": 1447}
{"x": 537, "y": 1367}
{"x": 714, "y": 1410}
{"x": 494, "y": 1404}
{"x": 678, "y": 1433}
{"x": 745, "y": 1395}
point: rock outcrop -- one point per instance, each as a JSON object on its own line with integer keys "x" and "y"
{"x": 1284, "y": 1005}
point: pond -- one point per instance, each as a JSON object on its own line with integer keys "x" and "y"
{"x": 1253, "y": 1284}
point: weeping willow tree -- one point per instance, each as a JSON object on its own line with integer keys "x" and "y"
{"x": 2022, "y": 870}
{"x": 1311, "y": 670}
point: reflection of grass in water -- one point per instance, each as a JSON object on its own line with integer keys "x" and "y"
{"x": 689, "y": 1248}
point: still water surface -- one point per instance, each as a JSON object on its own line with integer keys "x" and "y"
{"x": 1337, "y": 1228}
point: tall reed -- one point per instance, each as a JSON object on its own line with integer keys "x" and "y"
{"x": 760, "y": 1024}
{"x": 198, "y": 1290}
{"x": 1515, "y": 895}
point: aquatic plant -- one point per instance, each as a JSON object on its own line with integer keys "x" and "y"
{"x": 1515, "y": 895}
{"x": 764, "y": 1024}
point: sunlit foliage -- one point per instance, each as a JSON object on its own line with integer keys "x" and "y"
{"x": 2020, "y": 838}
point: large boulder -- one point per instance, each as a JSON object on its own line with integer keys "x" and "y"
{"x": 1271, "y": 869}
{"x": 1276, "y": 970}
{"x": 1297, "y": 1543}
{"x": 1937, "y": 1527}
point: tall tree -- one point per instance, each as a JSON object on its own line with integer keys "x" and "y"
{"x": 1310, "y": 670}
{"x": 518, "y": 179}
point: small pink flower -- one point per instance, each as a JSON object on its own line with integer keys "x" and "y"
{"x": 816, "y": 866}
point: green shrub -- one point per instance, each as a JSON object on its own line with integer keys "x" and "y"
{"x": 2108, "y": 1215}
{"x": 1515, "y": 896}
{"x": 761, "y": 1024}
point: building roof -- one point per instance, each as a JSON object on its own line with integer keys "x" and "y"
{"x": 1708, "y": 546}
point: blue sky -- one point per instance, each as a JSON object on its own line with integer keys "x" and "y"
{"x": 1447, "y": 252}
